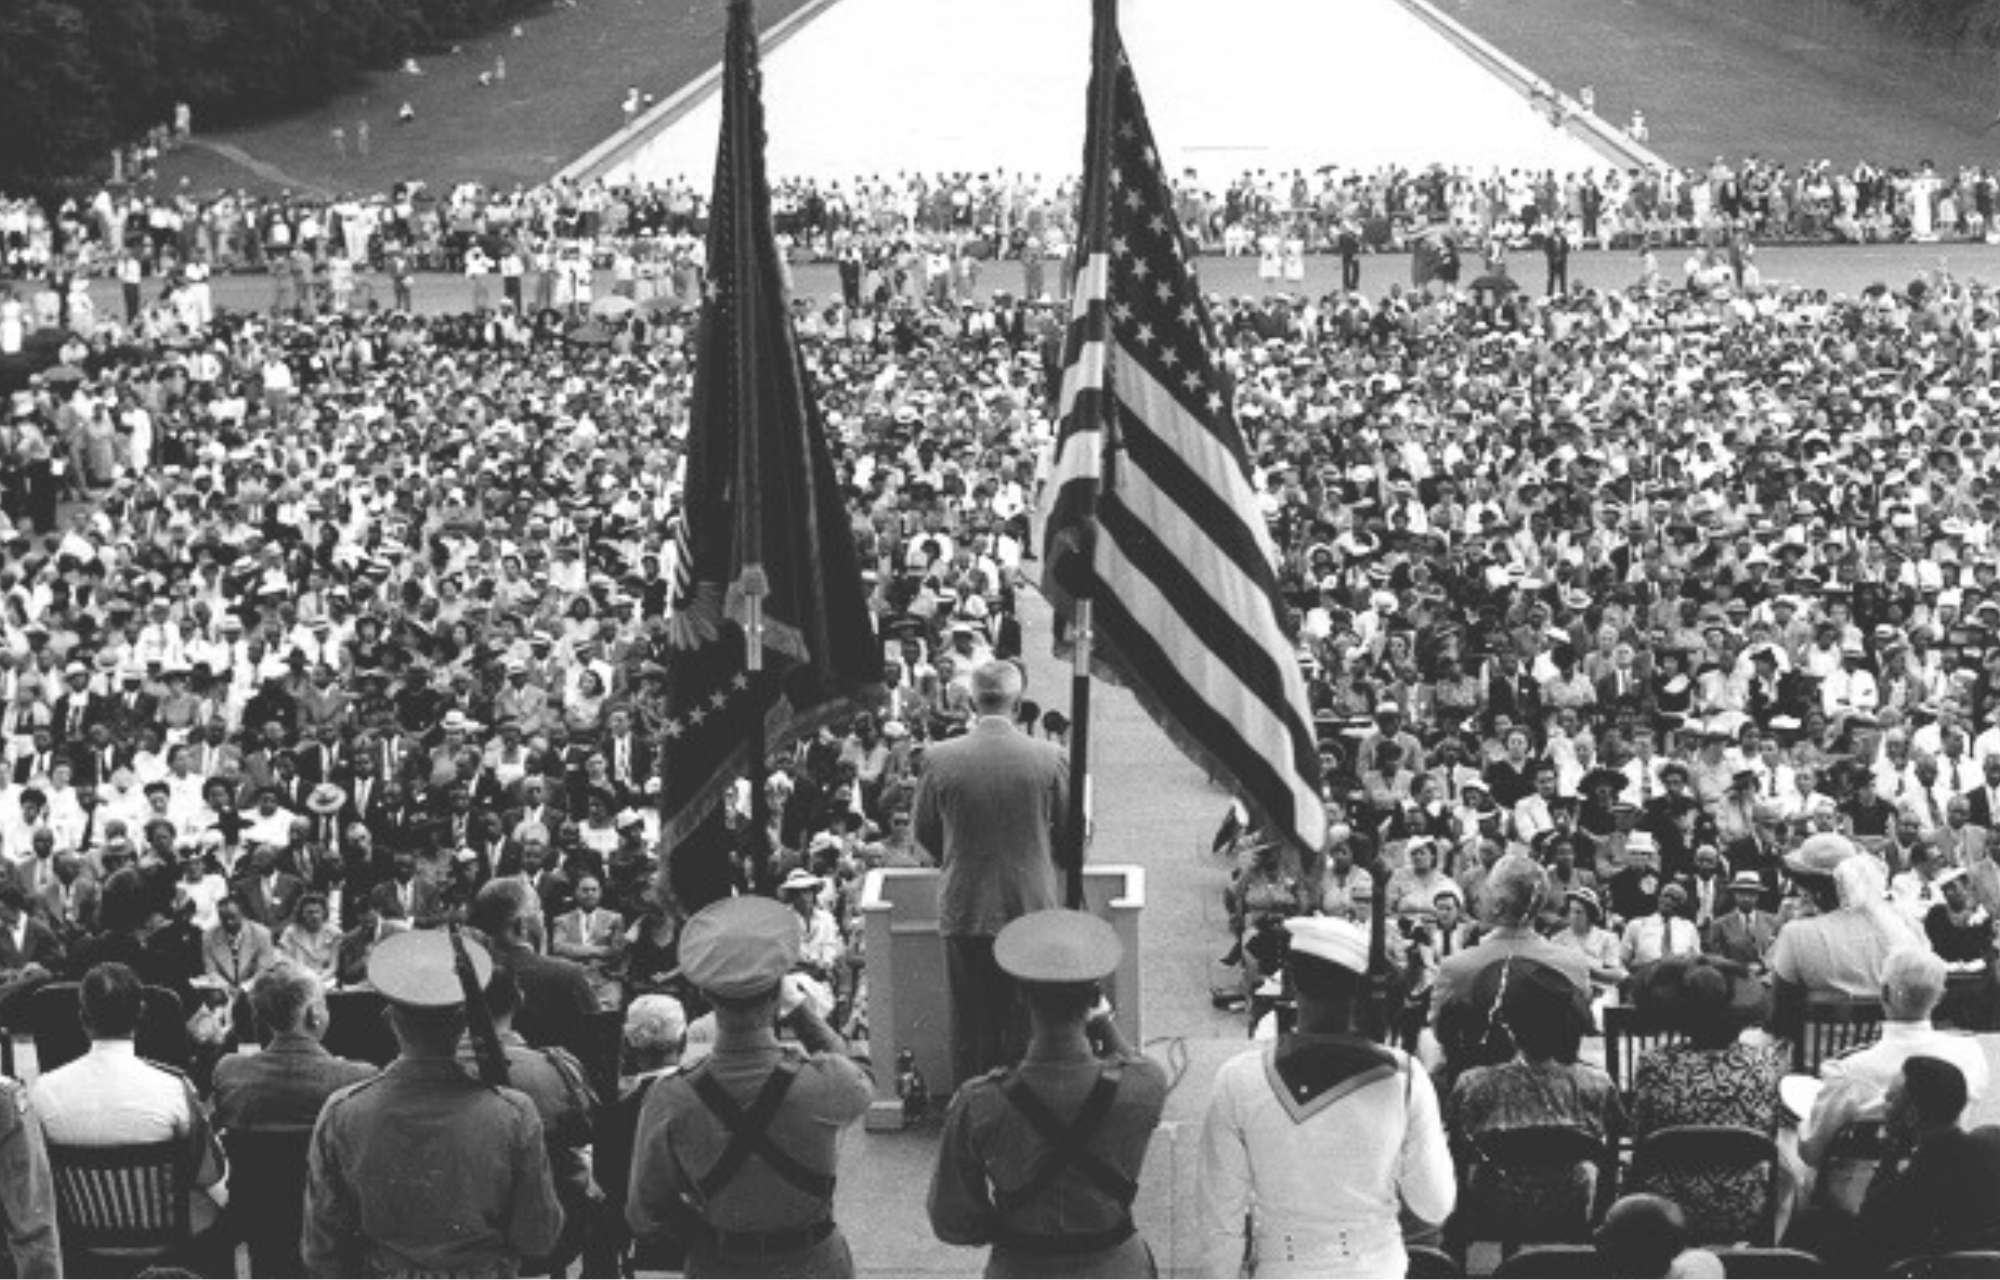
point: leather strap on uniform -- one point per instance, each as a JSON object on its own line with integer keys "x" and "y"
{"x": 748, "y": 1134}
{"x": 1068, "y": 1143}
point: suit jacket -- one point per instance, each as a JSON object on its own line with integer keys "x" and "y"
{"x": 127, "y": 715}
{"x": 1981, "y": 809}
{"x": 285, "y": 1085}
{"x": 640, "y": 762}
{"x": 426, "y": 898}
{"x": 31, "y": 764}
{"x": 1744, "y": 939}
{"x": 271, "y": 907}
{"x": 238, "y": 966}
{"x": 39, "y": 945}
{"x": 556, "y": 999}
{"x": 990, "y": 810}
{"x": 225, "y": 761}
{"x": 76, "y": 915}
{"x": 75, "y": 713}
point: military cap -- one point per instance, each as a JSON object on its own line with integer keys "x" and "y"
{"x": 416, "y": 969}
{"x": 1058, "y": 945}
{"x": 739, "y": 947}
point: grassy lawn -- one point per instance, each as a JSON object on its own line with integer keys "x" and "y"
{"x": 1792, "y": 80}
{"x": 566, "y": 75}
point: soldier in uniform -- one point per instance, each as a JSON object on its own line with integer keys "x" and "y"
{"x": 553, "y": 1080}
{"x": 424, "y": 1170}
{"x": 736, "y": 1157}
{"x": 27, "y": 1193}
{"x": 1041, "y": 1160}
{"x": 1280, "y": 1112}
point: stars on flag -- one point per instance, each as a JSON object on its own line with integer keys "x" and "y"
{"x": 717, "y": 703}
{"x": 1158, "y": 320}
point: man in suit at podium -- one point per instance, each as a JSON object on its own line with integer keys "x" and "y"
{"x": 989, "y": 809}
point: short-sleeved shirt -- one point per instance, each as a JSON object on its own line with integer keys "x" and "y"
{"x": 1837, "y": 954}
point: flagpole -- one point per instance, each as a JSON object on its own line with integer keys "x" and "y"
{"x": 753, "y": 582}
{"x": 755, "y": 587}
{"x": 1095, "y": 240}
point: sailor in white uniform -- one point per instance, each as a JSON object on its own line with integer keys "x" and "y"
{"x": 1321, "y": 1137}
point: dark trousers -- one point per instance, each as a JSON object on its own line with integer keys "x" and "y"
{"x": 986, "y": 1021}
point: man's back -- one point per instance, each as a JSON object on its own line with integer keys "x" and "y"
{"x": 425, "y": 1169}
{"x": 555, "y": 997}
{"x": 1456, "y": 974}
{"x": 285, "y": 1085}
{"x": 1941, "y": 1201}
{"x": 989, "y": 808}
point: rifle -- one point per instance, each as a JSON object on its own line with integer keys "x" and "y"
{"x": 478, "y": 1018}
{"x": 1379, "y": 998}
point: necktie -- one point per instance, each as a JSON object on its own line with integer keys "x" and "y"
{"x": 1771, "y": 782}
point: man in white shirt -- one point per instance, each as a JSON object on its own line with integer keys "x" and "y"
{"x": 111, "y": 1097}
{"x": 1667, "y": 932}
{"x": 1850, "y": 691}
{"x": 1913, "y": 981}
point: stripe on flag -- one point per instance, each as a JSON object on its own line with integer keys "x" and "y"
{"x": 1177, "y": 560}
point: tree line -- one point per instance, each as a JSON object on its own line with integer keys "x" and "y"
{"x": 78, "y": 77}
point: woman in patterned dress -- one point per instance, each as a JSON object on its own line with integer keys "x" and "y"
{"x": 1711, "y": 1077}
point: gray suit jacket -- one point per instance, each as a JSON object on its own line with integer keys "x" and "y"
{"x": 285, "y": 1085}
{"x": 990, "y": 810}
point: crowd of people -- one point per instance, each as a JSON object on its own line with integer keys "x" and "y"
{"x": 1640, "y": 626}
{"x": 658, "y": 225}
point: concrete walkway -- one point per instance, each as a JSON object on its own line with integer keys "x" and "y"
{"x": 1154, "y": 809}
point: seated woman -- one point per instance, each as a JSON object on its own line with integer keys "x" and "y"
{"x": 1586, "y": 935}
{"x": 1541, "y": 1087}
{"x": 1837, "y": 951}
{"x": 1711, "y": 1077}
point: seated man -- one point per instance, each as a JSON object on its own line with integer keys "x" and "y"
{"x": 1934, "y": 1193}
{"x": 290, "y": 1080}
{"x": 111, "y": 1097}
{"x": 594, "y": 938}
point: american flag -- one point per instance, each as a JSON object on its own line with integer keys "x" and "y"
{"x": 1150, "y": 510}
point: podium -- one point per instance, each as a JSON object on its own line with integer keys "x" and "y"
{"x": 909, "y": 1000}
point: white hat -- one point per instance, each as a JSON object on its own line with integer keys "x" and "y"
{"x": 1336, "y": 941}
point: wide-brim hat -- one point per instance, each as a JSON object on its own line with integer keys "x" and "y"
{"x": 1820, "y": 855}
{"x": 801, "y": 881}
{"x": 326, "y": 799}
